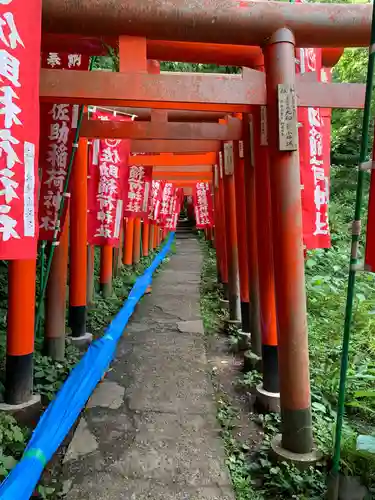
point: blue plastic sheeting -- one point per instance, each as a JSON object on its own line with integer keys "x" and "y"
{"x": 63, "y": 411}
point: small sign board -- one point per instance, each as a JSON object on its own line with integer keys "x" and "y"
{"x": 240, "y": 149}
{"x": 228, "y": 158}
{"x": 288, "y": 137}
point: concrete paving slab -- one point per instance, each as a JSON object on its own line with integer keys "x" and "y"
{"x": 130, "y": 489}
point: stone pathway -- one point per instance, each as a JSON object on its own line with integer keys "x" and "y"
{"x": 149, "y": 430}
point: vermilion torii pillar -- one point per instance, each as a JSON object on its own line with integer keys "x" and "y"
{"x": 127, "y": 255}
{"x": 296, "y": 426}
{"x": 106, "y": 270}
{"x": 78, "y": 245}
{"x": 55, "y": 307}
{"x": 133, "y": 58}
{"x": 229, "y": 203}
{"x": 222, "y": 227}
{"x": 239, "y": 180}
{"x": 251, "y": 226}
{"x": 268, "y": 392}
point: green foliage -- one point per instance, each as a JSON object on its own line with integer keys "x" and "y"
{"x": 49, "y": 375}
{"x": 12, "y": 443}
{"x": 211, "y": 312}
{"x": 198, "y": 68}
{"x": 347, "y": 124}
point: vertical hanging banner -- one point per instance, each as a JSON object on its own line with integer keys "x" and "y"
{"x": 174, "y": 209}
{"x": 19, "y": 127}
{"x": 166, "y": 202}
{"x": 314, "y": 139}
{"x": 108, "y": 169}
{"x": 138, "y": 195}
{"x": 203, "y": 205}
{"x": 58, "y": 125}
{"x": 155, "y": 201}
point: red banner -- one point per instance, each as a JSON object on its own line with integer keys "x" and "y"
{"x": 174, "y": 209}
{"x": 138, "y": 191}
{"x": 203, "y": 205}
{"x": 108, "y": 168}
{"x": 57, "y": 132}
{"x": 314, "y": 139}
{"x": 166, "y": 202}
{"x": 155, "y": 201}
{"x": 19, "y": 127}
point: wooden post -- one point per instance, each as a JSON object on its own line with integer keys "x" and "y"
{"x": 145, "y": 237}
{"x": 288, "y": 246}
{"x": 151, "y": 237}
{"x": 222, "y": 215}
{"x": 239, "y": 180}
{"x": 133, "y": 58}
{"x": 55, "y": 311}
{"x": 268, "y": 323}
{"x": 106, "y": 268}
{"x": 20, "y": 331}
{"x": 128, "y": 242}
{"x": 90, "y": 274}
{"x": 252, "y": 251}
{"x": 137, "y": 240}
{"x": 78, "y": 243}
{"x": 231, "y": 233}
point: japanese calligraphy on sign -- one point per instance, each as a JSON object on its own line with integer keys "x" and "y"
{"x": 58, "y": 128}
{"x": 19, "y": 127}
{"x": 203, "y": 205}
{"x": 287, "y": 117}
{"x": 166, "y": 202}
{"x": 263, "y": 126}
{"x": 228, "y": 158}
{"x": 108, "y": 168}
{"x": 175, "y": 208}
{"x": 314, "y": 142}
{"x": 155, "y": 201}
{"x": 138, "y": 191}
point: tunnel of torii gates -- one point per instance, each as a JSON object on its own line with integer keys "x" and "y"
{"x": 238, "y": 133}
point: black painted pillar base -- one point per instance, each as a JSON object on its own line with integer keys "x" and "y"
{"x": 226, "y": 291}
{"x": 78, "y": 316}
{"x": 18, "y": 379}
{"x": 270, "y": 368}
{"x": 245, "y": 316}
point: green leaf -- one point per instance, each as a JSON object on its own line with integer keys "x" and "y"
{"x": 8, "y": 462}
{"x": 364, "y": 394}
{"x": 319, "y": 407}
{"x": 310, "y": 263}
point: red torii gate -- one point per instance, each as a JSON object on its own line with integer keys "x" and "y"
{"x": 278, "y": 27}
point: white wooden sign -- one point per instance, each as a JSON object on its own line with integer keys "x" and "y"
{"x": 288, "y": 137}
{"x": 228, "y": 158}
{"x": 240, "y": 149}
